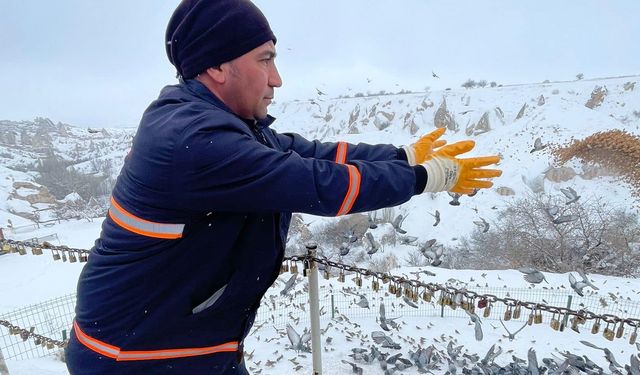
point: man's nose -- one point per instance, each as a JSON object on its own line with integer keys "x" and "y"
{"x": 274, "y": 77}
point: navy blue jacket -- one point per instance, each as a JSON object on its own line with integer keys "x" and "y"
{"x": 234, "y": 184}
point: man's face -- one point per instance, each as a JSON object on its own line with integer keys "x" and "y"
{"x": 250, "y": 82}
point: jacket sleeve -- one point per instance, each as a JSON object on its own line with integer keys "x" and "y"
{"x": 340, "y": 152}
{"x": 223, "y": 167}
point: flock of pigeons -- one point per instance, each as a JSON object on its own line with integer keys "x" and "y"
{"x": 390, "y": 351}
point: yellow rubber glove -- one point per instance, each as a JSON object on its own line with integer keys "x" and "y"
{"x": 446, "y": 172}
{"x": 421, "y": 151}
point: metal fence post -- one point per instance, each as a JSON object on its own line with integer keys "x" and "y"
{"x": 442, "y": 304}
{"x": 3, "y": 365}
{"x": 566, "y": 316}
{"x": 314, "y": 310}
{"x": 333, "y": 307}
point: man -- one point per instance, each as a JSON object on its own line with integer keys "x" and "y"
{"x": 199, "y": 216}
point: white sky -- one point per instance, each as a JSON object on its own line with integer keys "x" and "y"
{"x": 100, "y": 63}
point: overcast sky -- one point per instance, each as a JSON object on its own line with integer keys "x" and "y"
{"x": 99, "y": 63}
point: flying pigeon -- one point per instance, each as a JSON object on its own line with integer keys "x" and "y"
{"x": 456, "y": 198}
{"x": 434, "y": 75}
{"x": 512, "y": 336}
{"x": 577, "y": 286}
{"x": 375, "y": 246}
{"x": 571, "y": 195}
{"x": 437, "y": 216}
{"x": 532, "y": 275}
{"x": 483, "y": 225}
{"x": 537, "y": 145}
{"x": 289, "y": 285}
{"x": 397, "y": 223}
{"x": 298, "y": 343}
{"x": 565, "y": 219}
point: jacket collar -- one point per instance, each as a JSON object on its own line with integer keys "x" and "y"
{"x": 201, "y": 91}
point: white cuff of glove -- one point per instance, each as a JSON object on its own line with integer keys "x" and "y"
{"x": 442, "y": 174}
{"x": 411, "y": 155}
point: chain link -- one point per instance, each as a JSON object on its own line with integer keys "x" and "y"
{"x": 26, "y": 334}
{"x": 306, "y": 260}
{"x": 470, "y": 295}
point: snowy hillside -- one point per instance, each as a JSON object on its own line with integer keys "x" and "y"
{"x": 502, "y": 120}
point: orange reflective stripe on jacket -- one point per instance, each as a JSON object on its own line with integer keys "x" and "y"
{"x": 341, "y": 153}
{"x": 142, "y": 355}
{"x": 352, "y": 191}
{"x": 143, "y": 227}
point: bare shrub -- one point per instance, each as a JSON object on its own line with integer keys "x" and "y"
{"x": 416, "y": 259}
{"x": 600, "y": 240}
{"x": 383, "y": 264}
{"x": 468, "y": 84}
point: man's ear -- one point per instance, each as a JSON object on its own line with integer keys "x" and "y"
{"x": 216, "y": 74}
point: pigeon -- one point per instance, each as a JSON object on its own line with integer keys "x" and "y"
{"x": 553, "y": 210}
{"x": 350, "y": 235}
{"x": 364, "y": 303}
{"x": 571, "y": 195}
{"x": 483, "y": 225}
{"x": 478, "y": 330}
{"x": 532, "y": 275}
{"x": 344, "y": 249}
{"x": 434, "y": 75}
{"x": 319, "y": 92}
{"x": 409, "y": 302}
{"x": 298, "y": 343}
{"x": 586, "y": 280}
{"x": 289, "y": 285}
{"x": 577, "y": 286}
{"x": 634, "y": 366}
{"x": 385, "y": 341}
{"x": 455, "y": 201}
{"x": 354, "y": 368}
{"x": 408, "y": 240}
{"x": 375, "y": 246}
{"x": 565, "y": 219}
{"x": 371, "y": 218}
{"x": 533, "y": 360}
{"x": 537, "y": 145}
{"x": 437, "y": 216}
{"x": 512, "y": 336}
{"x": 491, "y": 355}
{"x": 397, "y": 223}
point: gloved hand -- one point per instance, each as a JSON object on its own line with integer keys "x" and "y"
{"x": 446, "y": 172}
{"x": 421, "y": 151}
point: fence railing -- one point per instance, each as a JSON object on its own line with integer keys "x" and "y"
{"x": 53, "y": 318}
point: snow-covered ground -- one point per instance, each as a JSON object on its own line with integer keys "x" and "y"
{"x": 30, "y": 279}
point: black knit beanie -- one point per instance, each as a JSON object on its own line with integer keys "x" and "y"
{"x": 206, "y": 33}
